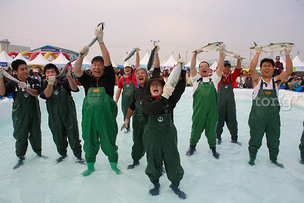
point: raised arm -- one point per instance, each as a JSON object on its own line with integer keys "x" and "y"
{"x": 103, "y": 48}
{"x": 137, "y": 59}
{"x": 253, "y": 72}
{"x": 156, "y": 58}
{"x": 220, "y": 65}
{"x": 78, "y": 64}
{"x": 285, "y": 74}
{"x": 193, "y": 71}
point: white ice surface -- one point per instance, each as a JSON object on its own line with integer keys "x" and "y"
{"x": 229, "y": 179}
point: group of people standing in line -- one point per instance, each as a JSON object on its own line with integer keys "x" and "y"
{"x": 151, "y": 102}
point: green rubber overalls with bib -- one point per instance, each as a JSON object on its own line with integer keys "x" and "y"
{"x": 138, "y": 131}
{"x": 99, "y": 125}
{"x": 160, "y": 141}
{"x": 226, "y": 110}
{"x": 63, "y": 121}
{"x": 205, "y": 113}
{"x": 26, "y": 121}
{"x": 127, "y": 95}
{"x": 265, "y": 117}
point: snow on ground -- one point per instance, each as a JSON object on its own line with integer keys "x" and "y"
{"x": 229, "y": 179}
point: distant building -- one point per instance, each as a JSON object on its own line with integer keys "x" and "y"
{"x": 7, "y": 47}
{"x": 48, "y": 48}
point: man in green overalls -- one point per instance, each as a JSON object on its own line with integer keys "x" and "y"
{"x": 265, "y": 111}
{"x": 205, "y": 110}
{"x": 99, "y": 110}
{"x": 127, "y": 84}
{"x": 62, "y": 111}
{"x": 226, "y": 102}
{"x": 135, "y": 109}
{"x": 26, "y": 111}
{"x": 301, "y": 147}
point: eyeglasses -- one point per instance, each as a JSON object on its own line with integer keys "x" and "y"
{"x": 155, "y": 84}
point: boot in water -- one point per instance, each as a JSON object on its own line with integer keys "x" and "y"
{"x": 114, "y": 168}
{"x": 214, "y": 153}
{"x": 277, "y": 164}
{"x": 19, "y": 163}
{"x": 135, "y": 163}
{"x": 191, "y": 150}
{"x": 90, "y": 169}
{"x": 80, "y": 159}
{"x": 177, "y": 191}
{"x": 155, "y": 190}
{"x": 60, "y": 159}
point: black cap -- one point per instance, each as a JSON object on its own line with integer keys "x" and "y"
{"x": 226, "y": 62}
{"x": 156, "y": 77}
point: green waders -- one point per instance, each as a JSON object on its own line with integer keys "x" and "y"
{"x": 127, "y": 96}
{"x": 160, "y": 141}
{"x": 99, "y": 125}
{"x": 265, "y": 117}
{"x": 138, "y": 130}
{"x": 26, "y": 121}
{"x": 226, "y": 111}
{"x": 205, "y": 113}
{"x": 301, "y": 146}
{"x": 63, "y": 121}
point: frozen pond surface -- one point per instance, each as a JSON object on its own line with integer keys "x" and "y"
{"x": 229, "y": 179}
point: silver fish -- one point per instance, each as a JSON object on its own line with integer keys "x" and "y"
{"x": 211, "y": 46}
{"x": 131, "y": 53}
{"x": 65, "y": 69}
{"x": 174, "y": 75}
{"x": 151, "y": 58}
{"x": 100, "y": 25}
{"x": 274, "y": 46}
{"x": 231, "y": 54}
{"x": 8, "y": 76}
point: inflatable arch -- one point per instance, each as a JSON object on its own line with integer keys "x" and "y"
{"x": 47, "y": 54}
{"x": 12, "y": 53}
{"x": 25, "y": 53}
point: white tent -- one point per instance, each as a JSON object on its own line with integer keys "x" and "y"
{"x": 282, "y": 61}
{"x": 5, "y": 59}
{"x": 298, "y": 64}
{"x": 85, "y": 63}
{"x": 20, "y": 56}
{"x": 196, "y": 66}
{"x": 170, "y": 62}
{"x": 213, "y": 66}
{"x": 39, "y": 61}
{"x": 60, "y": 61}
{"x": 144, "y": 60}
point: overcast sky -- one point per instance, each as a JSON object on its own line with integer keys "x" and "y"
{"x": 180, "y": 25}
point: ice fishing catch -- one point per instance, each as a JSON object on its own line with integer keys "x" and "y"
{"x": 209, "y": 47}
{"x": 272, "y": 47}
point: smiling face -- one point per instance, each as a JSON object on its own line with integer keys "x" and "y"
{"x": 127, "y": 70}
{"x": 22, "y": 72}
{"x": 141, "y": 77}
{"x": 267, "y": 69}
{"x": 227, "y": 70}
{"x": 204, "y": 69}
{"x": 156, "y": 88}
{"x": 97, "y": 69}
{"x": 50, "y": 72}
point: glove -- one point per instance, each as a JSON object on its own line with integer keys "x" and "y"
{"x": 288, "y": 49}
{"x": 99, "y": 35}
{"x": 1, "y": 72}
{"x": 22, "y": 85}
{"x": 157, "y": 48}
{"x": 198, "y": 51}
{"x": 180, "y": 60}
{"x": 125, "y": 124}
{"x": 167, "y": 91}
{"x": 68, "y": 73}
{"x": 137, "y": 50}
{"x": 222, "y": 48}
{"x": 51, "y": 80}
{"x": 84, "y": 51}
{"x": 258, "y": 48}
{"x": 237, "y": 56}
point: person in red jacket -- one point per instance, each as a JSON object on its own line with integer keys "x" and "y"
{"x": 226, "y": 102}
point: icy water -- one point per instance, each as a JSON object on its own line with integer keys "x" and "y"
{"x": 229, "y": 179}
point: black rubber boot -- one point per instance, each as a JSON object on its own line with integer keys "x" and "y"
{"x": 155, "y": 190}
{"x": 60, "y": 159}
{"x": 80, "y": 159}
{"x": 177, "y": 191}
{"x": 135, "y": 163}
{"x": 191, "y": 150}
{"x": 277, "y": 163}
{"x": 214, "y": 153}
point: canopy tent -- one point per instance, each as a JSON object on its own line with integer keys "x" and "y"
{"x": 144, "y": 61}
{"x": 60, "y": 61}
{"x": 39, "y": 61}
{"x": 169, "y": 63}
{"x": 20, "y": 56}
{"x": 5, "y": 59}
{"x": 297, "y": 64}
{"x": 213, "y": 66}
{"x": 85, "y": 63}
{"x": 282, "y": 61}
{"x": 196, "y": 66}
